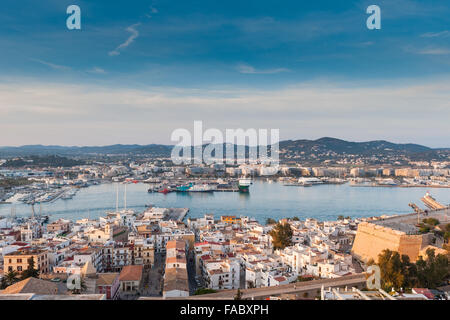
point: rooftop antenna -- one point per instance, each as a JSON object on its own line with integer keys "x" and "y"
{"x": 32, "y": 211}
{"x": 13, "y": 213}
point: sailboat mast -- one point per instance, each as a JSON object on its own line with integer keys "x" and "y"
{"x": 125, "y": 197}
{"x": 117, "y": 197}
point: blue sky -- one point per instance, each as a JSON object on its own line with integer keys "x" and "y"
{"x": 165, "y": 59}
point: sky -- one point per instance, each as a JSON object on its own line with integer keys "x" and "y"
{"x": 137, "y": 70}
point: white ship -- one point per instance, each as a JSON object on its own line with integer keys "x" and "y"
{"x": 309, "y": 181}
{"x": 244, "y": 184}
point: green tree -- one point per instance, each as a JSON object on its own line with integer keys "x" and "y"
{"x": 340, "y": 217}
{"x": 30, "y": 271}
{"x": 431, "y": 221}
{"x": 295, "y": 219}
{"x": 12, "y": 277}
{"x": 3, "y": 283}
{"x": 204, "y": 291}
{"x": 238, "y": 295}
{"x": 432, "y": 271}
{"x": 281, "y": 235}
{"x": 391, "y": 270}
{"x": 270, "y": 221}
{"x": 399, "y": 272}
{"x": 409, "y": 270}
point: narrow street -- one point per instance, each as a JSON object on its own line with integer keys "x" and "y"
{"x": 154, "y": 278}
{"x": 191, "y": 273}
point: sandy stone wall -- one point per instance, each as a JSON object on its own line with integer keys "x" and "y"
{"x": 372, "y": 239}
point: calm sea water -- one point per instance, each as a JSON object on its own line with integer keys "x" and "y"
{"x": 325, "y": 202}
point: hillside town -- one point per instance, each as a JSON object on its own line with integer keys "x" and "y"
{"x": 154, "y": 254}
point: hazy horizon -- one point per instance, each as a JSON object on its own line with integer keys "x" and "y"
{"x": 135, "y": 73}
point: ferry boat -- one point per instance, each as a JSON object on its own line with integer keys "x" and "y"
{"x": 244, "y": 184}
{"x": 196, "y": 188}
{"x": 309, "y": 181}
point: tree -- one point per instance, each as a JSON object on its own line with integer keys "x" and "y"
{"x": 295, "y": 219}
{"x": 204, "y": 291}
{"x": 281, "y": 235}
{"x": 431, "y": 221}
{"x": 391, "y": 270}
{"x": 11, "y": 277}
{"x": 30, "y": 271}
{"x": 3, "y": 283}
{"x": 409, "y": 270}
{"x": 432, "y": 271}
{"x": 399, "y": 272}
{"x": 270, "y": 221}
{"x": 340, "y": 217}
{"x": 238, "y": 295}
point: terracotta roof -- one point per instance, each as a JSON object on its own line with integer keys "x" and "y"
{"x": 426, "y": 292}
{"x": 176, "y": 244}
{"x": 280, "y": 279}
{"x": 131, "y": 273}
{"x": 176, "y": 259}
{"x": 176, "y": 279}
{"x": 106, "y": 279}
{"x": 32, "y": 285}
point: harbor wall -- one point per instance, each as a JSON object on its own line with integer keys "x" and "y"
{"x": 372, "y": 239}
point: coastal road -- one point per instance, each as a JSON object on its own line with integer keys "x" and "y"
{"x": 299, "y": 287}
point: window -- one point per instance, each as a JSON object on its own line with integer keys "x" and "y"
{"x": 19, "y": 268}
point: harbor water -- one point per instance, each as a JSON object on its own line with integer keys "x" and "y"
{"x": 265, "y": 200}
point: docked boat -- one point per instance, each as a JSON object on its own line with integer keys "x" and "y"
{"x": 244, "y": 184}
{"x": 306, "y": 181}
{"x": 197, "y": 188}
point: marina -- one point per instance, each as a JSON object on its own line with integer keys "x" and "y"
{"x": 264, "y": 200}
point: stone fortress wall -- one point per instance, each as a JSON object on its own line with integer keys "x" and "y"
{"x": 372, "y": 239}
{"x": 397, "y": 233}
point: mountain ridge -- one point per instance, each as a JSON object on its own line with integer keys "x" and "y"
{"x": 324, "y": 145}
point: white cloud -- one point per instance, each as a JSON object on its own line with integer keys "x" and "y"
{"x": 51, "y": 113}
{"x": 153, "y": 10}
{"x": 130, "y": 40}
{"x": 243, "y": 68}
{"x": 435, "y": 51}
{"x": 445, "y": 33}
{"x": 52, "y": 65}
{"x": 96, "y": 70}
